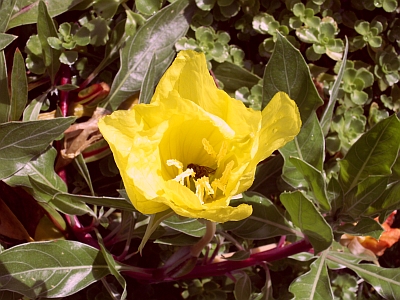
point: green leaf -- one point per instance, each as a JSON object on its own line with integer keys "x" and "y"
{"x": 288, "y": 72}
{"x": 119, "y": 203}
{"x": 156, "y": 37}
{"x": 365, "y": 227}
{"x": 148, "y": 84}
{"x": 40, "y": 168}
{"x": 234, "y": 77}
{"x": 52, "y": 269}
{"x": 308, "y": 146}
{"x": 20, "y": 142}
{"x": 326, "y": 118}
{"x": 188, "y": 226}
{"x": 373, "y": 154}
{"x": 315, "y": 284}
{"x": 387, "y": 202}
{"x": 364, "y": 194}
{"x": 305, "y": 216}
{"x": 155, "y": 221}
{"x": 265, "y": 222}
{"x": 315, "y": 180}
{"x": 6, "y": 10}
{"x": 4, "y": 96}
{"x": 386, "y": 282}
{"x": 46, "y": 29}
{"x": 31, "y": 112}
{"x": 43, "y": 192}
{"x": 19, "y": 87}
{"x": 80, "y": 165}
{"x": 148, "y": 7}
{"x": 6, "y": 39}
{"x": 112, "y": 265}
{"x": 28, "y": 10}
{"x": 243, "y": 287}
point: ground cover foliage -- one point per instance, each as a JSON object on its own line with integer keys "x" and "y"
{"x": 68, "y": 229}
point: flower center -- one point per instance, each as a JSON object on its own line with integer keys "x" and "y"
{"x": 197, "y": 177}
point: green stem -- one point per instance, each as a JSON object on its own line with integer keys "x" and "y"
{"x": 211, "y": 227}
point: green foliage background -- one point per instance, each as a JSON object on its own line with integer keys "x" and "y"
{"x": 339, "y": 60}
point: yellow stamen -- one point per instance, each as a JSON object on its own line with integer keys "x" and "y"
{"x": 221, "y": 182}
{"x": 203, "y": 188}
{"x": 209, "y": 148}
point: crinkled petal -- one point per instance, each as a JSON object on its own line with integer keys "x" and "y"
{"x": 280, "y": 124}
{"x": 189, "y": 77}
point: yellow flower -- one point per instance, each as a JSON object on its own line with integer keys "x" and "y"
{"x": 194, "y": 147}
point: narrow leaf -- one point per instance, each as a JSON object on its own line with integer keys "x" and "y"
{"x": 315, "y": 180}
{"x": 315, "y": 284}
{"x": 387, "y": 202}
{"x": 287, "y": 71}
{"x": 6, "y": 10}
{"x": 243, "y": 287}
{"x": 265, "y": 222}
{"x": 373, "y": 154}
{"x": 6, "y": 39}
{"x": 20, "y": 142}
{"x": 43, "y": 192}
{"x": 46, "y": 29}
{"x": 41, "y": 169}
{"x": 19, "y": 87}
{"x": 31, "y": 112}
{"x": 52, "y": 269}
{"x": 148, "y": 84}
{"x": 79, "y": 163}
{"x": 112, "y": 265}
{"x": 365, "y": 227}
{"x": 305, "y": 216}
{"x": 328, "y": 112}
{"x": 308, "y": 146}
{"x": 4, "y": 95}
{"x": 385, "y": 281}
{"x": 157, "y": 36}
{"x": 28, "y": 10}
{"x": 188, "y": 226}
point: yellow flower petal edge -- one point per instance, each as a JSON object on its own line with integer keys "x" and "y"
{"x": 194, "y": 147}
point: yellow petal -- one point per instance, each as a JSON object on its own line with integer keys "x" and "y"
{"x": 189, "y": 78}
{"x": 280, "y": 124}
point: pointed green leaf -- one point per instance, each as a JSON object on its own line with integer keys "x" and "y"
{"x": 6, "y": 39}
{"x": 385, "y": 281}
{"x": 188, "y": 226}
{"x": 265, "y": 222}
{"x": 315, "y": 180}
{"x": 148, "y": 84}
{"x": 387, "y": 202}
{"x": 305, "y": 216}
{"x": 243, "y": 287}
{"x": 328, "y": 112}
{"x": 308, "y": 146}
{"x": 234, "y": 77}
{"x": 112, "y": 265}
{"x": 315, "y": 284}
{"x": 155, "y": 221}
{"x": 148, "y": 7}
{"x": 156, "y": 37}
{"x": 359, "y": 198}
{"x": 52, "y": 269}
{"x": 31, "y": 112}
{"x": 21, "y": 141}
{"x": 4, "y": 96}
{"x": 365, "y": 227}
{"x": 80, "y": 165}
{"x": 19, "y": 87}
{"x": 6, "y": 10}
{"x": 41, "y": 169}
{"x": 43, "y": 192}
{"x": 287, "y": 71}
{"x": 373, "y": 154}
{"x": 119, "y": 203}
{"x": 46, "y": 29}
{"x": 28, "y": 10}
